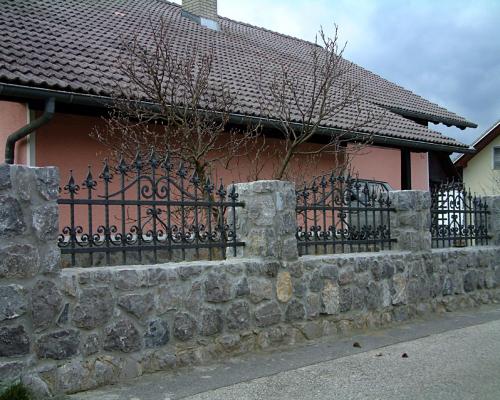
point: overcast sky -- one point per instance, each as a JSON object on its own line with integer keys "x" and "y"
{"x": 447, "y": 51}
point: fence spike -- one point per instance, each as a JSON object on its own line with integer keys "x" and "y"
{"x": 167, "y": 163}
{"x": 122, "y": 167}
{"x": 232, "y": 193}
{"x": 89, "y": 181}
{"x": 153, "y": 159}
{"x": 138, "y": 161}
{"x": 314, "y": 187}
{"x": 195, "y": 179}
{"x": 182, "y": 172}
{"x": 71, "y": 187}
{"x": 324, "y": 183}
{"x": 209, "y": 187}
{"x": 106, "y": 174}
{"x": 221, "y": 192}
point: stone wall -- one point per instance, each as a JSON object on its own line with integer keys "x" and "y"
{"x": 29, "y": 264}
{"x": 78, "y": 328}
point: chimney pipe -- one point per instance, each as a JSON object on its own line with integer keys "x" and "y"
{"x": 201, "y": 8}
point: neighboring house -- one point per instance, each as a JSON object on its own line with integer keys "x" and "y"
{"x": 67, "y": 50}
{"x": 481, "y": 170}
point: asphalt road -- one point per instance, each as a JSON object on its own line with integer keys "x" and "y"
{"x": 456, "y": 356}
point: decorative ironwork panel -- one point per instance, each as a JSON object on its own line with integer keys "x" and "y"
{"x": 146, "y": 210}
{"x": 337, "y": 214}
{"x": 458, "y": 218}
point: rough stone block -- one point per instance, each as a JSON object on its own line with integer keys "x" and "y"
{"x": 50, "y": 259}
{"x": 157, "y": 333}
{"x": 58, "y": 345}
{"x": 130, "y": 279}
{"x": 170, "y": 297}
{"x": 47, "y": 182}
{"x": 5, "y": 182}
{"x": 11, "y": 217}
{"x": 94, "y": 307}
{"x": 184, "y": 327}
{"x": 330, "y": 302}
{"x": 187, "y": 272}
{"x": 194, "y": 299}
{"x": 242, "y": 288}
{"x": 238, "y": 316}
{"x": 295, "y": 311}
{"x": 267, "y": 314}
{"x": 23, "y": 182}
{"x": 373, "y": 296}
{"x": 139, "y": 305}
{"x": 37, "y": 387}
{"x": 14, "y": 341}
{"x": 471, "y": 281}
{"x": 19, "y": 261}
{"x": 346, "y": 276}
{"x": 12, "y": 302}
{"x": 122, "y": 336}
{"x": 46, "y": 303}
{"x": 217, "y": 288}
{"x": 358, "y": 297}
{"x": 315, "y": 283}
{"x": 330, "y": 271}
{"x": 299, "y": 288}
{"x": 260, "y": 289}
{"x": 45, "y": 221}
{"x": 211, "y": 322}
{"x": 90, "y": 344}
{"x": 313, "y": 305}
{"x": 345, "y": 299}
{"x": 10, "y": 370}
{"x": 284, "y": 287}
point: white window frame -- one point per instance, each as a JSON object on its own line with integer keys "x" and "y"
{"x": 497, "y": 148}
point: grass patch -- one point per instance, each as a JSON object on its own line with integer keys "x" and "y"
{"x": 15, "y": 392}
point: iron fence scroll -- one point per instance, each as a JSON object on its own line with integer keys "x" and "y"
{"x": 458, "y": 218}
{"x": 337, "y": 214}
{"x": 147, "y": 207}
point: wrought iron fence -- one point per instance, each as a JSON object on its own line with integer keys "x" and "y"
{"x": 337, "y": 214}
{"x": 146, "y": 211}
{"x": 458, "y": 218}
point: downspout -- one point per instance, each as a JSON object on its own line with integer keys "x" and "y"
{"x": 10, "y": 144}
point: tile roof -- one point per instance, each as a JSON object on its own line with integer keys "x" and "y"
{"x": 72, "y": 45}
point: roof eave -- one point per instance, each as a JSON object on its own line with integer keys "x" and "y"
{"x": 27, "y": 92}
{"x": 462, "y": 124}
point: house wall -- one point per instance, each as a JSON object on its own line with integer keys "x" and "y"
{"x": 65, "y": 143}
{"x": 384, "y": 164}
{"x": 12, "y": 117}
{"x": 479, "y": 174}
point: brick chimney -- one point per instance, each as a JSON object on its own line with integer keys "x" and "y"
{"x": 201, "y": 8}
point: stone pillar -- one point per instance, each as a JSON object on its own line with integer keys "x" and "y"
{"x": 494, "y": 218}
{"x": 29, "y": 263}
{"x": 411, "y": 222}
{"x": 267, "y": 223}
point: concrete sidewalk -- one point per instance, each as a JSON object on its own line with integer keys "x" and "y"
{"x": 453, "y": 356}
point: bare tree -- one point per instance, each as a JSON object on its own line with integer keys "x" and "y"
{"x": 302, "y": 100}
{"x": 171, "y": 100}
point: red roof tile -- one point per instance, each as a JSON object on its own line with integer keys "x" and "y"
{"x": 72, "y": 45}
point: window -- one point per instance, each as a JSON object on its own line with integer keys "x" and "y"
{"x": 496, "y": 157}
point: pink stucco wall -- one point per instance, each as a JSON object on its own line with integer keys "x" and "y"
{"x": 420, "y": 171}
{"x": 12, "y": 117}
{"x": 65, "y": 143}
{"x": 384, "y": 164}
